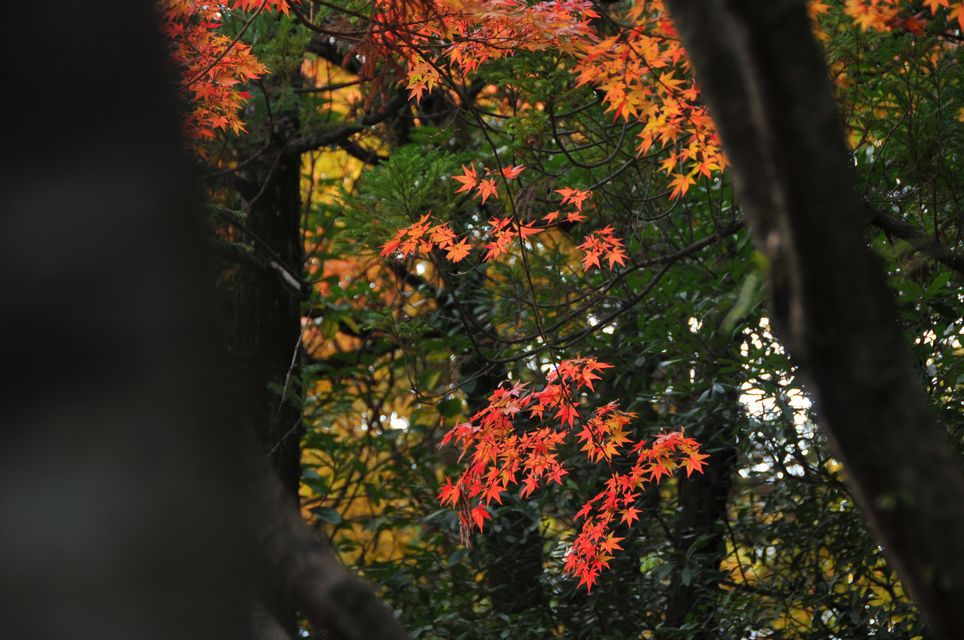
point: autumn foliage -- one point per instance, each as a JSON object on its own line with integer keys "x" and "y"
{"x": 214, "y": 68}
{"x": 889, "y": 15}
{"x": 515, "y": 440}
{"x": 422, "y": 237}
{"x": 643, "y": 77}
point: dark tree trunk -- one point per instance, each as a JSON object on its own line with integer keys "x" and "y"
{"x": 124, "y": 475}
{"x": 699, "y": 535}
{"x": 267, "y": 307}
{"x": 265, "y": 336}
{"x": 766, "y": 83}
{"x": 119, "y": 498}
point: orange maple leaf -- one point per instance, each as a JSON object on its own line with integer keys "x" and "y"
{"x": 479, "y": 515}
{"x": 630, "y": 514}
{"x": 468, "y": 179}
{"x": 487, "y": 188}
{"x": 458, "y": 251}
{"x": 574, "y": 196}
{"x": 511, "y": 173}
{"x": 680, "y": 183}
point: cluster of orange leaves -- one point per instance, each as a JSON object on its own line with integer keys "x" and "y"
{"x": 422, "y": 237}
{"x": 214, "y": 68}
{"x": 602, "y": 243}
{"x": 500, "y": 454}
{"x": 645, "y": 77}
{"x": 889, "y": 15}
{"x": 642, "y": 71}
{"x": 473, "y": 32}
{"x": 593, "y": 547}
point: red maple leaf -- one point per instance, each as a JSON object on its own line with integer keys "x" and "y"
{"x": 630, "y": 514}
{"x": 479, "y": 515}
{"x": 574, "y": 196}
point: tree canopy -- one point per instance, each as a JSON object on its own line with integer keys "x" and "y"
{"x": 587, "y": 319}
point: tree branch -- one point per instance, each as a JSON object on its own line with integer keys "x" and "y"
{"x": 327, "y": 593}
{"x": 340, "y": 134}
{"x": 917, "y": 239}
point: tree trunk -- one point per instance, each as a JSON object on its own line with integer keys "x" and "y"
{"x": 699, "y": 535}
{"x": 267, "y": 306}
{"x": 764, "y": 78}
{"x": 118, "y": 472}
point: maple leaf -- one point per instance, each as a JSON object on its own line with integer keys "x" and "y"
{"x": 630, "y": 514}
{"x": 680, "y": 183}
{"x": 615, "y": 256}
{"x": 584, "y": 511}
{"x": 573, "y": 196}
{"x": 556, "y": 474}
{"x": 599, "y": 244}
{"x": 468, "y": 179}
{"x": 588, "y": 579}
{"x": 551, "y": 217}
{"x": 511, "y": 173}
{"x": 479, "y": 515}
{"x": 392, "y": 245}
{"x": 575, "y": 216}
{"x": 458, "y": 250}
{"x": 958, "y": 13}
{"x": 694, "y": 462}
{"x": 659, "y": 469}
{"x": 527, "y": 231}
{"x": 486, "y": 188}
{"x": 530, "y": 484}
{"x": 567, "y": 413}
{"x": 610, "y": 544}
{"x": 442, "y": 236}
{"x": 493, "y": 492}
{"x": 449, "y": 493}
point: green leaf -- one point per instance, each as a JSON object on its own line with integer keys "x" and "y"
{"x": 327, "y": 515}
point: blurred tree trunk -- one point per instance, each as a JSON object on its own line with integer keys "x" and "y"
{"x": 132, "y": 503}
{"x": 120, "y": 478}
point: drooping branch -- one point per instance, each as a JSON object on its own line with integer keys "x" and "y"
{"x": 766, "y": 83}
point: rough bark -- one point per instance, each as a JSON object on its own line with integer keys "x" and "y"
{"x": 764, "y": 78}
{"x": 263, "y": 333}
